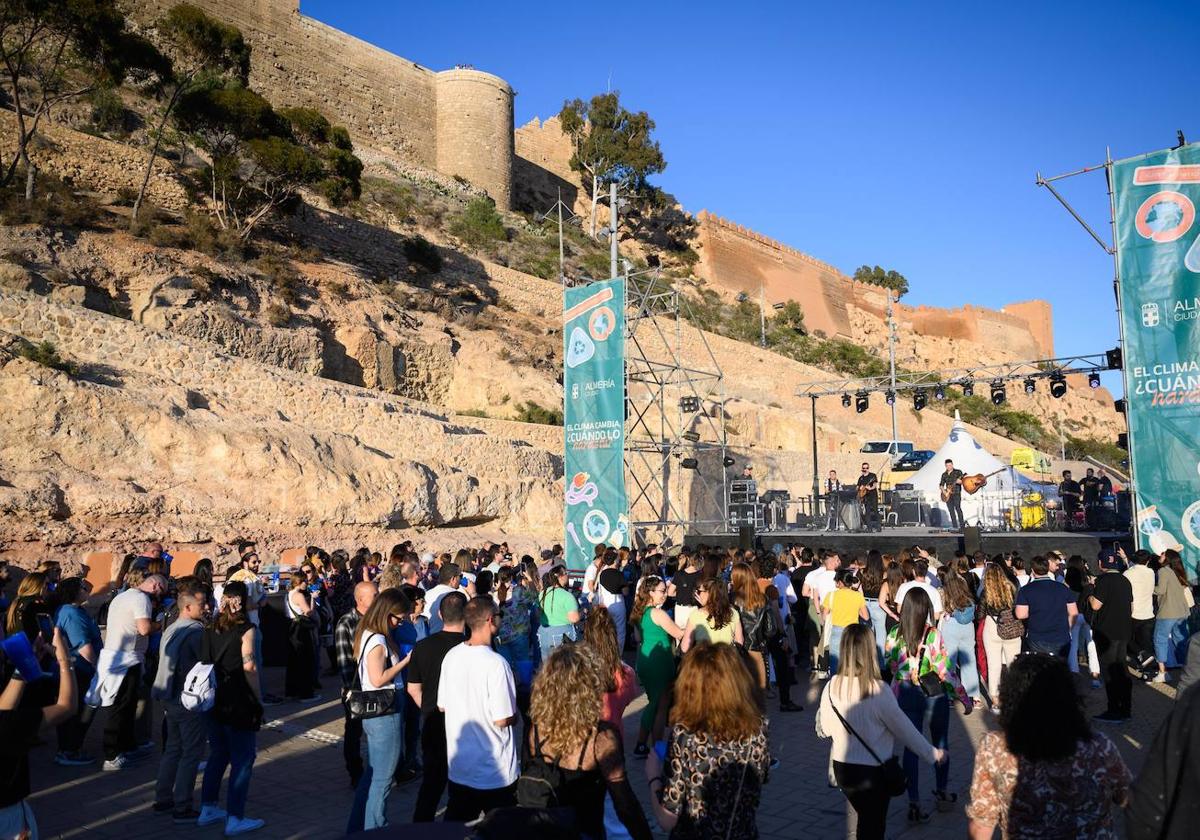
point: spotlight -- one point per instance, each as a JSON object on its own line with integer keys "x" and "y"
{"x": 1094, "y": 379}
{"x": 1058, "y": 386}
{"x": 861, "y": 401}
{"x": 689, "y": 404}
{"x": 919, "y": 400}
{"x": 1030, "y": 385}
{"x": 728, "y": 461}
{"x": 1119, "y": 406}
{"x": 1123, "y": 441}
{"x": 889, "y": 397}
{"x": 689, "y": 463}
{"x": 1113, "y": 358}
{"x": 845, "y": 400}
{"x": 999, "y": 395}
{"x": 694, "y": 437}
{"x": 939, "y": 393}
{"x": 968, "y": 388}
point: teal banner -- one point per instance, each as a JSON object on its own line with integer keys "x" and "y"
{"x": 595, "y": 507}
{"x": 1158, "y": 264}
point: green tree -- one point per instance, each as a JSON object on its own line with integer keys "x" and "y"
{"x": 479, "y": 225}
{"x": 876, "y": 276}
{"x": 790, "y": 315}
{"x": 200, "y": 51}
{"x": 611, "y": 143}
{"x": 54, "y": 51}
{"x": 259, "y": 158}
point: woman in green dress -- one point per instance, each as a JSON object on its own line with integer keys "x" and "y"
{"x": 656, "y": 659}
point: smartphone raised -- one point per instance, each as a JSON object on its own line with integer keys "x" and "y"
{"x": 45, "y": 626}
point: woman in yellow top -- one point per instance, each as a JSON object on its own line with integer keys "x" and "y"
{"x": 714, "y": 619}
{"x": 845, "y": 606}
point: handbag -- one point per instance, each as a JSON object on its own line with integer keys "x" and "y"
{"x": 366, "y": 704}
{"x": 895, "y": 782}
{"x": 930, "y": 682}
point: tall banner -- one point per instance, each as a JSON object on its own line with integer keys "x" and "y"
{"x": 595, "y": 508}
{"x": 1158, "y": 264}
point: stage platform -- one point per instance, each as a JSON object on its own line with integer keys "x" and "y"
{"x": 1087, "y": 544}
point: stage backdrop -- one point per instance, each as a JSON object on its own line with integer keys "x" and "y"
{"x": 1158, "y": 257}
{"x": 595, "y": 507}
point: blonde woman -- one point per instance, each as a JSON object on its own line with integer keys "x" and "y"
{"x": 573, "y": 750}
{"x": 1002, "y": 630}
{"x": 858, "y": 694}
{"x": 714, "y": 620}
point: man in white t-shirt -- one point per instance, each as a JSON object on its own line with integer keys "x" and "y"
{"x": 817, "y": 584}
{"x": 127, "y": 636}
{"x": 449, "y": 580}
{"x": 935, "y": 597}
{"x": 478, "y": 696}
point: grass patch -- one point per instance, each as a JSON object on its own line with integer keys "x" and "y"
{"x": 46, "y": 354}
{"x": 531, "y": 412}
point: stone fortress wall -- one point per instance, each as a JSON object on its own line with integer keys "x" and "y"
{"x": 457, "y": 122}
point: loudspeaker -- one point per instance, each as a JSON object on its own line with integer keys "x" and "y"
{"x": 746, "y": 538}
{"x": 971, "y": 542}
{"x": 913, "y": 513}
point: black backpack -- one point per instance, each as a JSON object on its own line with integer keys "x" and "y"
{"x": 543, "y": 782}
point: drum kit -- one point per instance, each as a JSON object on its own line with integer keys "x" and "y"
{"x": 1034, "y": 512}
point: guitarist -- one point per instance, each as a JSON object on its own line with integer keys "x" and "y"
{"x": 1071, "y": 492}
{"x": 868, "y": 498}
{"x": 950, "y": 482}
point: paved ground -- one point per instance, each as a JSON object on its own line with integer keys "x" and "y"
{"x": 301, "y": 789}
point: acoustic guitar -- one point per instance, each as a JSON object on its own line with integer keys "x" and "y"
{"x": 970, "y": 483}
{"x": 864, "y": 489}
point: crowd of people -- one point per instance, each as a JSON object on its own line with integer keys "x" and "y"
{"x": 501, "y": 684}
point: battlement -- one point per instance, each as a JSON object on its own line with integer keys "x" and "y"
{"x": 705, "y": 217}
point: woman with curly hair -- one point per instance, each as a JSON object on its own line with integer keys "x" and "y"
{"x": 573, "y": 750}
{"x": 717, "y": 756}
{"x": 655, "y": 659}
{"x": 714, "y": 619}
{"x": 1045, "y": 773}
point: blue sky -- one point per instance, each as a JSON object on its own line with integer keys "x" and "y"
{"x": 901, "y": 134}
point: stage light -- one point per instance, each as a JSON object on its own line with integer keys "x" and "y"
{"x": 1119, "y": 406}
{"x": 1030, "y": 385}
{"x": 728, "y": 461}
{"x": 939, "y": 393}
{"x": 689, "y": 404}
{"x": 861, "y": 402}
{"x": 845, "y": 400}
{"x": 1058, "y": 386}
{"x": 889, "y": 397}
{"x": 694, "y": 437}
{"x": 689, "y": 463}
{"x": 968, "y": 388}
{"x": 1123, "y": 441}
{"x": 1113, "y": 357}
{"x": 1093, "y": 380}
{"x": 919, "y": 400}
{"x": 999, "y": 395}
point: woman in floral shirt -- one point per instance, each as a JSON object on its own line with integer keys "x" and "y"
{"x": 516, "y": 604}
{"x": 914, "y": 650}
{"x": 1045, "y": 773}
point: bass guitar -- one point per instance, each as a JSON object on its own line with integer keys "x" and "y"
{"x": 970, "y": 483}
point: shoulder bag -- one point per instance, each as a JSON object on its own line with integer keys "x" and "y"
{"x": 930, "y": 682}
{"x": 895, "y": 782}
{"x": 363, "y": 704}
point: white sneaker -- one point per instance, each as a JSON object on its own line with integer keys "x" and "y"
{"x": 210, "y": 814}
{"x": 1160, "y": 677}
{"x": 244, "y": 825}
{"x": 119, "y": 763}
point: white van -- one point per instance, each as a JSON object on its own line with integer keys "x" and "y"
{"x": 895, "y": 449}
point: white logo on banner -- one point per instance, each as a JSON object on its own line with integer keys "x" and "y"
{"x": 1150, "y": 315}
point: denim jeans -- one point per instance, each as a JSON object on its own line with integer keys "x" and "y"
{"x": 183, "y": 750}
{"x": 232, "y": 748}
{"x": 385, "y": 740}
{"x": 835, "y": 646}
{"x": 935, "y": 710}
{"x": 878, "y": 625}
{"x": 1170, "y": 641}
{"x": 551, "y": 637}
{"x": 960, "y": 647}
{"x": 519, "y": 656}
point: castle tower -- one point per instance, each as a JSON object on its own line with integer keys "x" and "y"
{"x": 474, "y": 136}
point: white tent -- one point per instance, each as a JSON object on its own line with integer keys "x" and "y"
{"x": 986, "y": 507}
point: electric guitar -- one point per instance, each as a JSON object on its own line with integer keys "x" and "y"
{"x": 970, "y": 483}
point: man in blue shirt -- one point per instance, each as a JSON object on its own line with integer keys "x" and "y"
{"x": 1047, "y": 607}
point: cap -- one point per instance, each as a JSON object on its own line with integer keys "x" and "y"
{"x": 427, "y": 558}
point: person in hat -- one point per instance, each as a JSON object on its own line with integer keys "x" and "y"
{"x": 1112, "y": 627}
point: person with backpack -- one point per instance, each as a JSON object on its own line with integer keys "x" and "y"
{"x": 1002, "y": 630}
{"x": 183, "y": 747}
{"x": 233, "y": 695}
{"x": 574, "y": 756}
